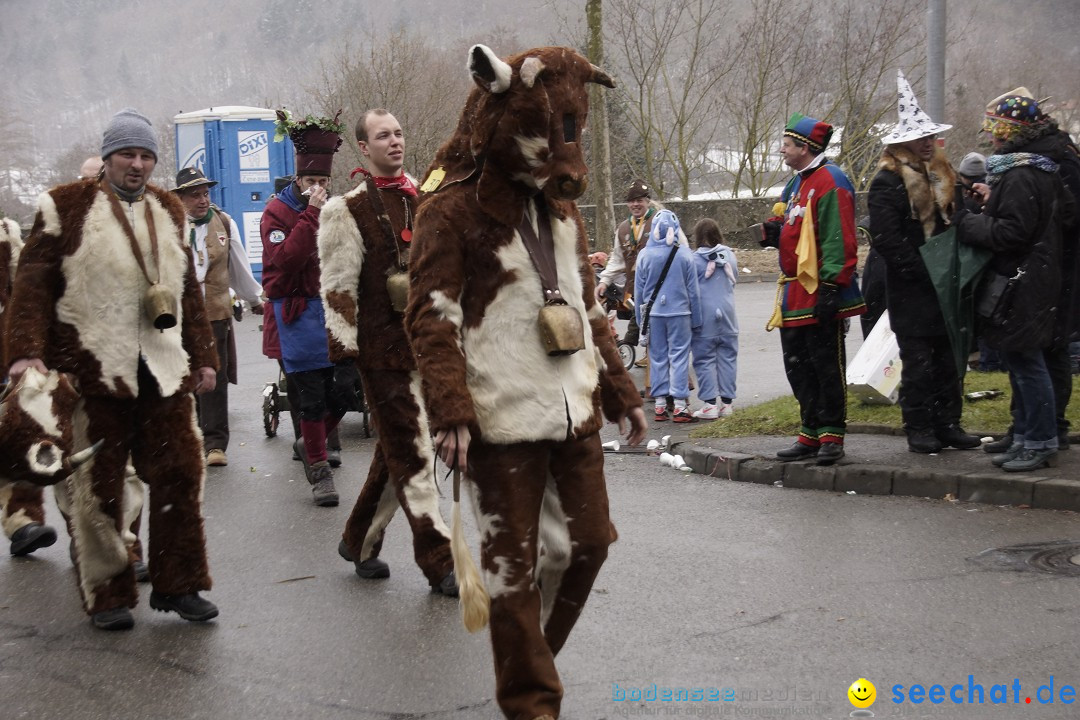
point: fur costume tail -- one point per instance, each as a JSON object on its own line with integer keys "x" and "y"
{"x": 475, "y": 603}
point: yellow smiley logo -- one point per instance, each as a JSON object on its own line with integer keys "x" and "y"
{"x": 862, "y": 693}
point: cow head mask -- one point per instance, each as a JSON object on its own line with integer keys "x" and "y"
{"x": 525, "y": 119}
{"x": 36, "y": 431}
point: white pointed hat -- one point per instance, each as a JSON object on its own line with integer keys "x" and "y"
{"x": 914, "y": 123}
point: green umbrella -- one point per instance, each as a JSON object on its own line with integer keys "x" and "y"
{"x": 955, "y": 269}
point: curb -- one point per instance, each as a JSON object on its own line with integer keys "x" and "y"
{"x": 1022, "y": 490}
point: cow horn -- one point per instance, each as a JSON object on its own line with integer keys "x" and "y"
{"x": 83, "y": 455}
{"x": 600, "y": 77}
{"x": 488, "y": 71}
{"x": 530, "y": 70}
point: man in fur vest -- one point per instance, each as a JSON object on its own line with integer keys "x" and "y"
{"x": 364, "y": 242}
{"x": 106, "y": 292}
{"x": 630, "y": 238}
{"x": 518, "y": 363}
{"x": 220, "y": 264}
{"x": 818, "y": 287}
{"x": 911, "y": 199}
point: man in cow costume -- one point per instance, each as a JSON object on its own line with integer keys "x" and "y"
{"x": 364, "y": 242}
{"x": 106, "y": 292}
{"x": 501, "y": 295}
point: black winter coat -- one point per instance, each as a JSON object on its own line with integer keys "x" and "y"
{"x": 1022, "y": 224}
{"x": 897, "y": 236}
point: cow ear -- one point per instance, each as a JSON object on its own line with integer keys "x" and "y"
{"x": 488, "y": 71}
{"x": 530, "y": 70}
{"x": 600, "y": 77}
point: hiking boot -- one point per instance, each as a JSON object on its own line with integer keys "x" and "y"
{"x": 322, "y": 485}
{"x": 447, "y": 586}
{"x": 115, "y": 619}
{"x": 999, "y": 446}
{"x": 333, "y": 456}
{"x": 1009, "y": 455}
{"x": 954, "y": 436}
{"x": 300, "y": 452}
{"x": 216, "y": 458}
{"x": 30, "y": 537}
{"x": 1031, "y": 459}
{"x": 372, "y": 569}
{"x": 142, "y": 573}
{"x": 708, "y": 411}
{"x": 829, "y": 453}
{"x": 682, "y": 415}
{"x": 343, "y": 550}
{"x": 661, "y": 414}
{"x": 188, "y": 606}
{"x": 923, "y": 441}
{"x": 798, "y": 451}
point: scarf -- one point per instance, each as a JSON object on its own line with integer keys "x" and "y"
{"x": 636, "y": 226}
{"x": 290, "y": 197}
{"x": 205, "y": 218}
{"x": 402, "y": 182}
{"x": 998, "y": 165}
{"x": 930, "y": 185}
{"x": 128, "y": 197}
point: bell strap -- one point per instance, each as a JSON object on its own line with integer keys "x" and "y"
{"x": 121, "y": 217}
{"x": 375, "y": 198}
{"x": 542, "y": 250}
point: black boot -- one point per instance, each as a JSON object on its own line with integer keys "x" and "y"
{"x": 829, "y": 453}
{"x": 30, "y": 537}
{"x": 798, "y": 451}
{"x": 999, "y": 446}
{"x": 954, "y": 436}
{"x": 923, "y": 441}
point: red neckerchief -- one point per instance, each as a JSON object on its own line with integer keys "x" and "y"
{"x": 401, "y": 182}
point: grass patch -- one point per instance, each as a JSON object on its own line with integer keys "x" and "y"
{"x": 781, "y": 416}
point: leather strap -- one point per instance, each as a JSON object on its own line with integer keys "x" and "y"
{"x": 121, "y": 217}
{"x": 542, "y": 249}
{"x": 375, "y": 198}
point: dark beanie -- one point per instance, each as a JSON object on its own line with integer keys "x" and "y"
{"x": 128, "y": 129}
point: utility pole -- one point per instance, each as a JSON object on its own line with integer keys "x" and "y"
{"x": 935, "y": 60}
{"x": 598, "y": 126}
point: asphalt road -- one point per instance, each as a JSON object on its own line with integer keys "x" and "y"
{"x": 777, "y": 598}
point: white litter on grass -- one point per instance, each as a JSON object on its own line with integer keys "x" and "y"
{"x": 850, "y": 492}
{"x": 747, "y": 270}
{"x": 987, "y": 439}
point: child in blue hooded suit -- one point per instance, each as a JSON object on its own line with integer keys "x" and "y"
{"x": 675, "y": 312}
{"x": 715, "y": 345}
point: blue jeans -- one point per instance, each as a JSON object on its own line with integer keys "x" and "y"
{"x": 1033, "y": 413}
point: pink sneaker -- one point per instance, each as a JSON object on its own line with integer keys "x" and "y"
{"x": 707, "y": 412}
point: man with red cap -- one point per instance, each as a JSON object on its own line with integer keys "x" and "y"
{"x": 817, "y": 246}
{"x": 289, "y": 227}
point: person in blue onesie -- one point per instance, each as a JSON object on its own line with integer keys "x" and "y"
{"x": 715, "y": 345}
{"x": 673, "y": 308}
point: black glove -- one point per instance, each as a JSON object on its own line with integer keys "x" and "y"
{"x": 957, "y": 217}
{"x": 828, "y": 302}
{"x": 770, "y": 234}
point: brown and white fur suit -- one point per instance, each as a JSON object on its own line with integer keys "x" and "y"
{"x": 77, "y": 305}
{"x": 356, "y": 256}
{"x": 535, "y": 465}
{"x": 24, "y": 503}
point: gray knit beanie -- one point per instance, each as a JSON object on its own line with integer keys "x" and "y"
{"x": 972, "y": 166}
{"x": 128, "y": 129}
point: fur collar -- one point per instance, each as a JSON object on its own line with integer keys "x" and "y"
{"x": 931, "y": 187}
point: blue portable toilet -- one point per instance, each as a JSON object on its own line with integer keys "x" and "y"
{"x": 235, "y": 145}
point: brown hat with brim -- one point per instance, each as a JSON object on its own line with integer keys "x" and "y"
{"x": 638, "y": 189}
{"x": 191, "y": 177}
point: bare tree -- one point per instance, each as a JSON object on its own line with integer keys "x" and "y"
{"x": 599, "y": 146}
{"x": 671, "y": 65}
{"x": 423, "y": 86}
{"x": 777, "y": 72}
